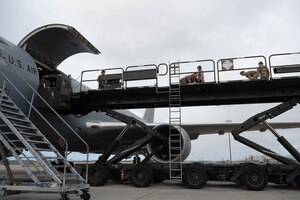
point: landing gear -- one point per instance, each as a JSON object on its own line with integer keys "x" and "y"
{"x": 98, "y": 175}
{"x": 254, "y": 178}
{"x": 141, "y": 176}
{"x": 195, "y": 177}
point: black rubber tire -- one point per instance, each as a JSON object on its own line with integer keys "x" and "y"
{"x": 98, "y": 175}
{"x": 159, "y": 177}
{"x": 141, "y": 176}
{"x": 85, "y": 196}
{"x": 64, "y": 197}
{"x": 255, "y": 178}
{"x": 194, "y": 177}
{"x": 298, "y": 180}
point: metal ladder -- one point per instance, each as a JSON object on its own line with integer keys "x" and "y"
{"x": 175, "y": 158}
{"x": 32, "y": 150}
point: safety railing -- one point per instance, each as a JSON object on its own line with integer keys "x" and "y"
{"x": 230, "y": 69}
{"x": 118, "y": 78}
{"x": 114, "y": 76}
{"x": 140, "y": 73}
{"x": 190, "y": 68}
{"x": 42, "y": 117}
{"x": 224, "y": 70}
{"x": 284, "y": 64}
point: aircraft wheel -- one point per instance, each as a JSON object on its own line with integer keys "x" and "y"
{"x": 141, "y": 176}
{"x": 98, "y": 175}
{"x": 254, "y": 178}
{"x": 195, "y": 177}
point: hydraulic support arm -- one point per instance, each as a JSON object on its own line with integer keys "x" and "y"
{"x": 260, "y": 118}
{"x": 130, "y": 121}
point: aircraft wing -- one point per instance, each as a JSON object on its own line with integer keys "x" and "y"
{"x": 194, "y": 130}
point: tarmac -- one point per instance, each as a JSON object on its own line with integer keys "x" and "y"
{"x": 174, "y": 191}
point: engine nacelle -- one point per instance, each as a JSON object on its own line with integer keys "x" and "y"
{"x": 162, "y": 156}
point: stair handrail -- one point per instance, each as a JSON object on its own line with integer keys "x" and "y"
{"x": 53, "y": 110}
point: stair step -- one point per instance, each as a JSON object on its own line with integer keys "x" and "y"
{"x": 12, "y": 113}
{"x": 31, "y": 134}
{"x": 37, "y": 163}
{"x": 44, "y": 149}
{"x": 10, "y": 107}
{"x": 24, "y": 127}
{"x": 7, "y": 101}
{"x": 61, "y": 165}
{"x": 17, "y": 119}
{"x": 38, "y": 142}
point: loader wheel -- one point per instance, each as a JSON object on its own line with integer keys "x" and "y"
{"x": 85, "y": 196}
{"x": 141, "y": 176}
{"x": 98, "y": 175}
{"x": 254, "y": 178}
{"x": 194, "y": 177}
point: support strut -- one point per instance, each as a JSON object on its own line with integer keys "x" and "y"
{"x": 130, "y": 121}
{"x": 292, "y": 150}
{"x": 6, "y": 163}
{"x": 260, "y": 118}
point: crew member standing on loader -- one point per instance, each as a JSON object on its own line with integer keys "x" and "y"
{"x": 200, "y": 75}
{"x": 263, "y": 71}
{"x": 101, "y": 79}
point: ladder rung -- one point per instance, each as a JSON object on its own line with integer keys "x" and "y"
{"x": 175, "y": 170}
{"x": 175, "y": 162}
{"x": 177, "y": 140}
{"x": 176, "y": 177}
{"x": 175, "y": 154}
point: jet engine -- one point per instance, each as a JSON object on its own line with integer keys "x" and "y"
{"x": 162, "y": 156}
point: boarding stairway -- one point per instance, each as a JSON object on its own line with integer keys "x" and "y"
{"x": 47, "y": 169}
{"x": 32, "y": 150}
{"x": 175, "y": 156}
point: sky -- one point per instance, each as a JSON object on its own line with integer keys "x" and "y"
{"x": 135, "y": 32}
